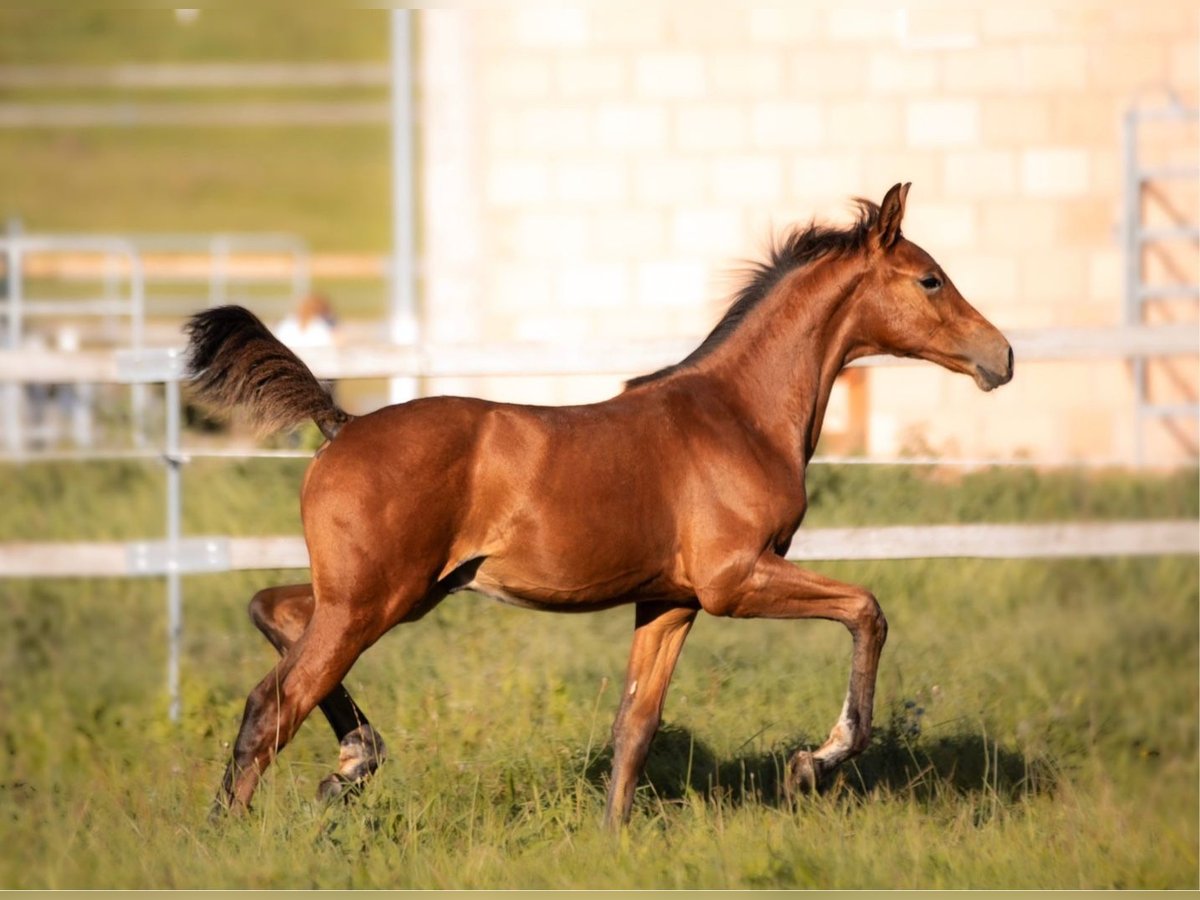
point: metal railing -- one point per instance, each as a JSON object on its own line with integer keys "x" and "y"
{"x": 176, "y": 555}
{"x": 130, "y": 290}
{"x": 1138, "y": 238}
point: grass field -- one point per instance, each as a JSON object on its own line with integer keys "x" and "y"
{"x": 327, "y": 184}
{"x": 1037, "y": 721}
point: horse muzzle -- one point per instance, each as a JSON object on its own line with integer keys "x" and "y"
{"x": 989, "y": 379}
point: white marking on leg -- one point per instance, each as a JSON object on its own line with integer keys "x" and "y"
{"x": 841, "y": 738}
{"x": 633, "y": 688}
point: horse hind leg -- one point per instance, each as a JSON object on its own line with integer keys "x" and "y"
{"x": 659, "y": 632}
{"x": 309, "y": 670}
{"x": 282, "y": 614}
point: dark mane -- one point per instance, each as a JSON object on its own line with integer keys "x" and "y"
{"x": 795, "y": 248}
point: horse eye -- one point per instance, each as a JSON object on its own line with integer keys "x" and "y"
{"x": 930, "y": 282}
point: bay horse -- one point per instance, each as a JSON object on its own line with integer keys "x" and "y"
{"x": 679, "y": 494}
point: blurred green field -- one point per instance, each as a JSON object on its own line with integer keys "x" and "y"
{"x": 101, "y": 36}
{"x": 1037, "y": 720}
{"x": 326, "y": 184}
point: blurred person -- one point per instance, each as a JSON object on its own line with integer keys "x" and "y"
{"x": 311, "y": 324}
{"x": 50, "y": 405}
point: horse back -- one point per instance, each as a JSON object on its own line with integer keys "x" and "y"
{"x": 568, "y": 507}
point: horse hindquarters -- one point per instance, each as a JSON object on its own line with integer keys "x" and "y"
{"x": 378, "y": 521}
{"x": 282, "y": 614}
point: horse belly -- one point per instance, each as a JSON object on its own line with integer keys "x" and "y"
{"x": 573, "y": 583}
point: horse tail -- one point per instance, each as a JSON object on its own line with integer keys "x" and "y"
{"x": 233, "y": 360}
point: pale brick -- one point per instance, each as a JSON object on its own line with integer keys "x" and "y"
{"x": 746, "y": 74}
{"x": 591, "y": 182}
{"x": 671, "y": 283}
{"x": 1090, "y": 220}
{"x": 778, "y": 124}
{"x": 513, "y": 77}
{"x": 669, "y": 181}
{"x": 1059, "y": 66}
{"x": 1057, "y": 172}
{"x": 1016, "y": 121}
{"x": 784, "y": 25}
{"x": 712, "y": 127}
{"x": 1085, "y": 19}
{"x": 591, "y": 75}
{"x": 888, "y": 166}
{"x": 620, "y": 26}
{"x": 824, "y": 72}
{"x": 1090, "y": 434}
{"x": 518, "y": 286}
{"x": 747, "y": 179}
{"x": 703, "y": 231}
{"x": 709, "y": 25}
{"x": 1020, "y": 224}
{"x": 902, "y": 73}
{"x": 1127, "y": 65}
{"x": 942, "y": 123}
{"x": 1054, "y": 276}
{"x": 938, "y": 226}
{"x": 628, "y": 233}
{"x": 589, "y": 285}
{"x": 1184, "y": 63}
{"x": 549, "y": 328}
{"x": 450, "y": 304}
{"x": 550, "y": 27}
{"x": 502, "y": 133}
{"x": 489, "y": 28}
{"x": 642, "y": 322}
{"x": 1162, "y": 19}
{"x": 942, "y": 27}
{"x": 554, "y": 128}
{"x": 517, "y": 183}
{"x": 1106, "y": 280}
{"x": 825, "y": 175}
{"x": 857, "y": 124}
{"x": 1003, "y": 23}
{"x": 547, "y": 236}
{"x": 1107, "y": 171}
{"x": 630, "y": 126}
{"x": 1029, "y": 314}
{"x": 849, "y": 24}
{"x": 980, "y": 173}
{"x": 670, "y": 76}
{"x": 987, "y": 278}
{"x": 986, "y": 70}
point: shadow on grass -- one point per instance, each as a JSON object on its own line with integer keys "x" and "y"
{"x": 897, "y": 762}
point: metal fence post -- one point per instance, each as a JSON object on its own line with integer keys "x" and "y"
{"x": 405, "y": 322}
{"x": 174, "y": 463}
{"x": 12, "y": 390}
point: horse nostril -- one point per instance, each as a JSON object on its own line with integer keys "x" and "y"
{"x": 1010, "y": 361}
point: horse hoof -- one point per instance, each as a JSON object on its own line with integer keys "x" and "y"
{"x": 804, "y": 774}
{"x": 336, "y": 786}
{"x": 362, "y": 752}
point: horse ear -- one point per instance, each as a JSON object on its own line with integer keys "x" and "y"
{"x": 891, "y": 212}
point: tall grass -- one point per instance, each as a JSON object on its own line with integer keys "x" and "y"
{"x": 1036, "y": 721}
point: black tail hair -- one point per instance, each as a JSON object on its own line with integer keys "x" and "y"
{"x": 234, "y": 360}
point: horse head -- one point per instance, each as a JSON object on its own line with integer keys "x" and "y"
{"x": 912, "y": 308}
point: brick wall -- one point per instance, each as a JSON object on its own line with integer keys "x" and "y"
{"x": 601, "y": 172}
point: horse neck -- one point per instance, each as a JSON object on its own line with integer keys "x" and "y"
{"x": 782, "y": 361}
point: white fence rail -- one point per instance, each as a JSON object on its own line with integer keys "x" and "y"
{"x": 594, "y": 358}
{"x": 178, "y": 555}
{"x": 197, "y": 555}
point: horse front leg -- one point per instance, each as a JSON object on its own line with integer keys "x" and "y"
{"x": 282, "y": 614}
{"x": 659, "y": 632}
{"x": 776, "y": 589}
